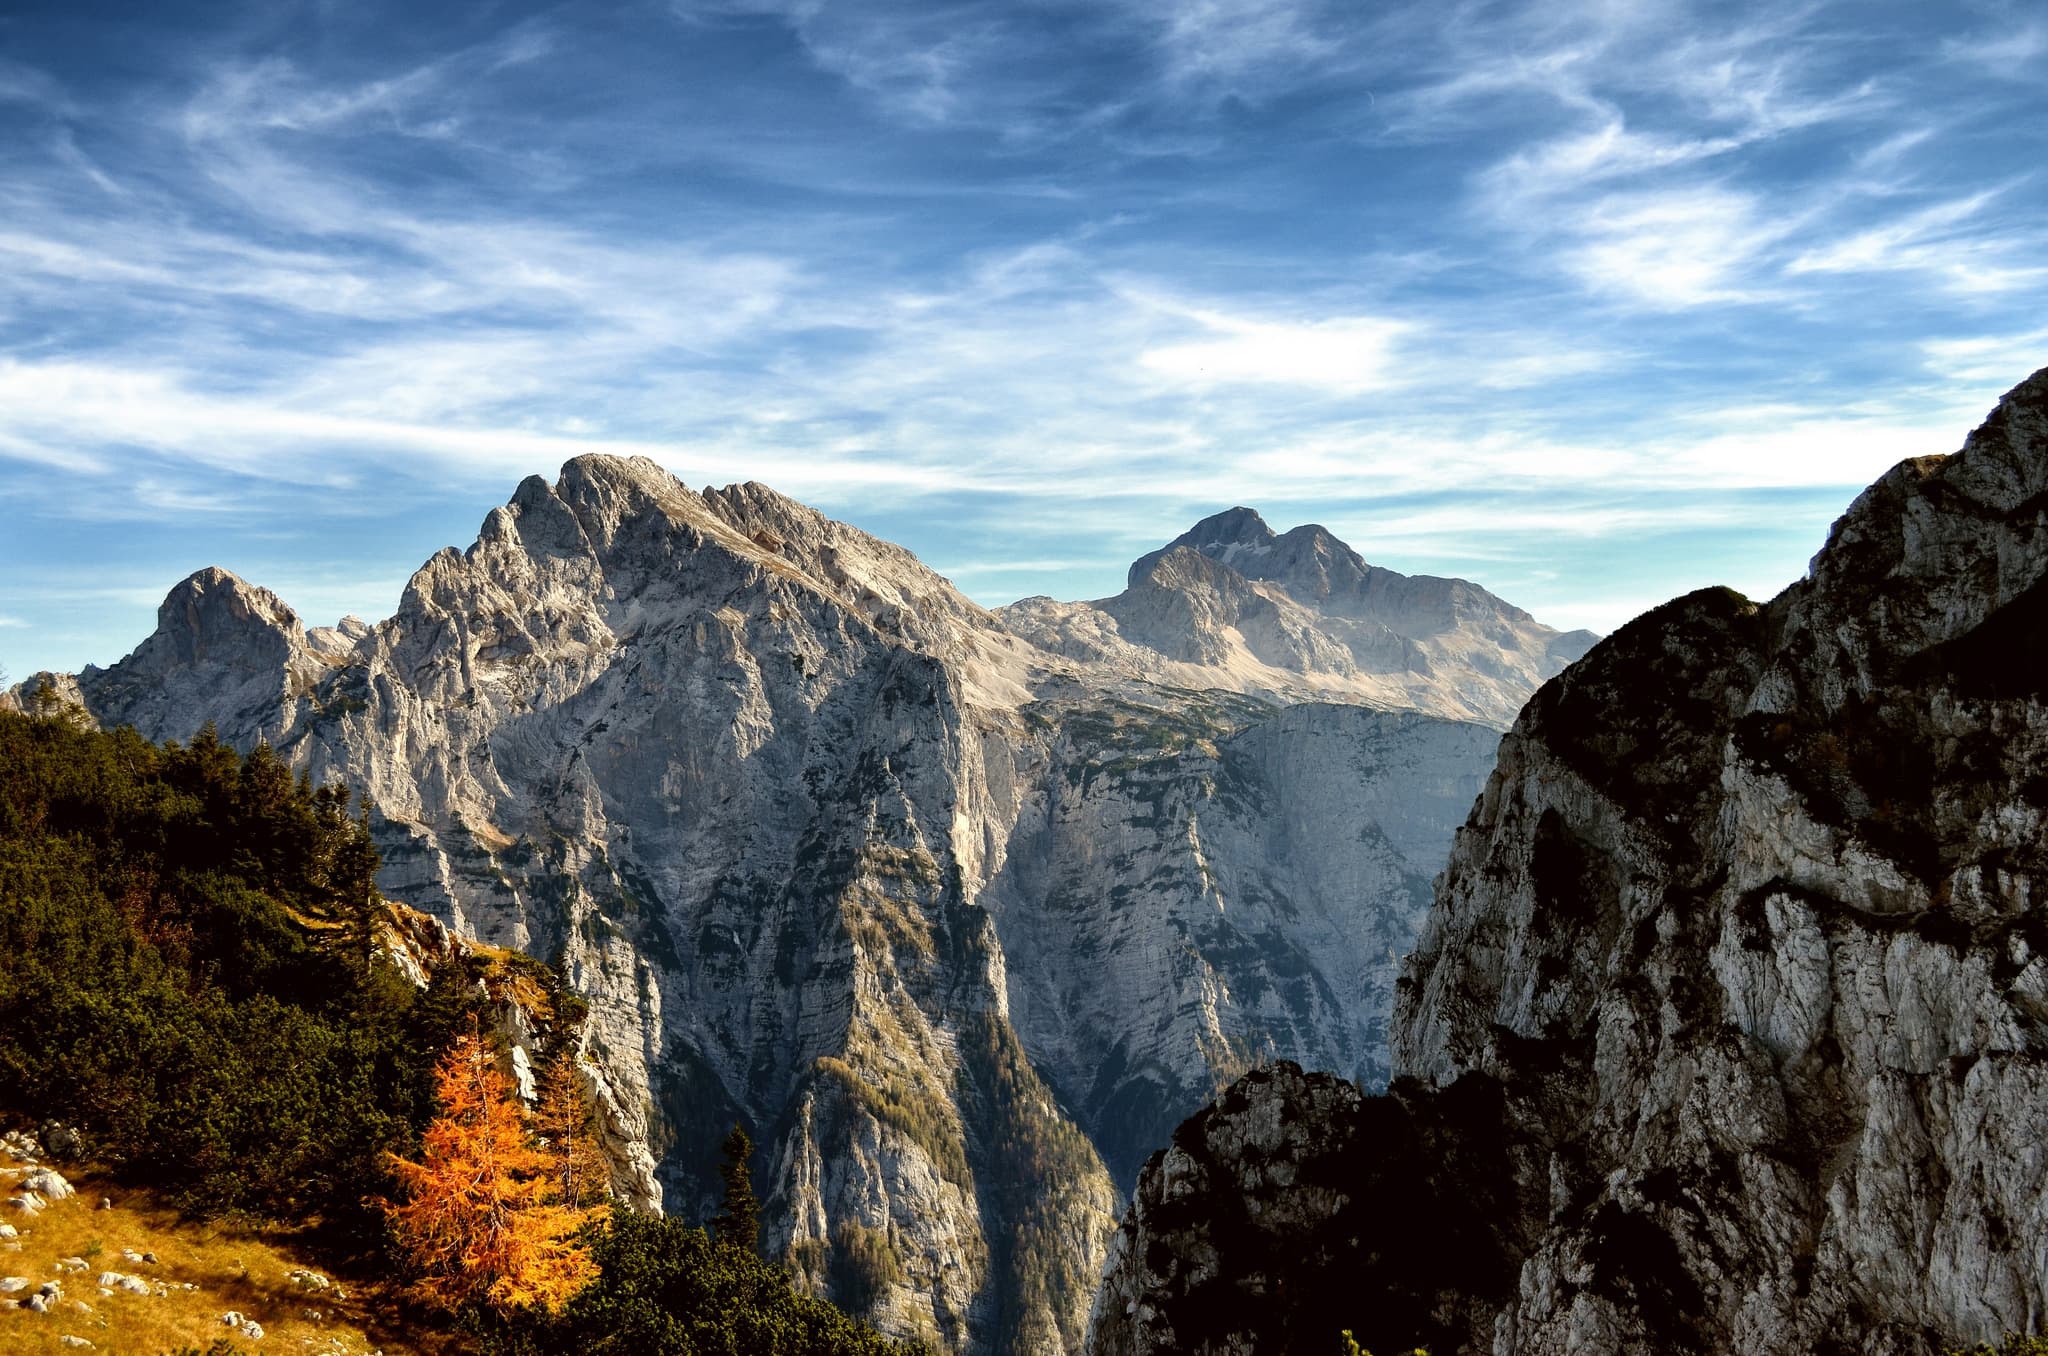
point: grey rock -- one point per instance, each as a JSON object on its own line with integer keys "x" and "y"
{"x": 47, "y": 1182}
{"x": 1742, "y": 944}
{"x": 1231, "y": 604}
{"x": 961, "y": 923}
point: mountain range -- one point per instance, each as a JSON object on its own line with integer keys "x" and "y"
{"x": 960, "y": 911}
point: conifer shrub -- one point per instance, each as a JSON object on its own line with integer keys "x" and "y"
{"x": 666, "y": 1288}
{"x": 190, "y": 976}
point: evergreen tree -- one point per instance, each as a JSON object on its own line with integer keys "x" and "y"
{"x": 352, "y": 880}
{"x": 739, "y": 1218}
{"x": 477, "y": 1221}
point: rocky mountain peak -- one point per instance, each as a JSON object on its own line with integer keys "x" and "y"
{"x": 212, "y": 615}
{"x": 1742, "y": 946}
{"x": 1300, "y": 615}
{"x": 961, "y": 926}
{"x": 1233, "y": 527}
{"x": 220, "y": 644}
{"x": 603, "y": 475}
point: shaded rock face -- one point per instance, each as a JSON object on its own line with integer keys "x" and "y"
{"x": 1231, "y": 604}
{"x": 960, "y": 926}
{"x": 1746, "y": 935}
{"x": 1245, "y": 1234}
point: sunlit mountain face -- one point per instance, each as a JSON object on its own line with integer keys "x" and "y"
{"x": 1588, "y": 303}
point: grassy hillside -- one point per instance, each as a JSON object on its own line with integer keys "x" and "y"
{"x": 228, "y": 1268}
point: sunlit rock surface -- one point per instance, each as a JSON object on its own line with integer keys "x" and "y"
{"x": 1744, "y": 943}
{"x": 960, "y": 923}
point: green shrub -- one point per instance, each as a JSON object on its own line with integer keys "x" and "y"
{"x": 190, "y": 977}
{"x": 666, "y": 1289}
{"x": 2014, "y": 1345}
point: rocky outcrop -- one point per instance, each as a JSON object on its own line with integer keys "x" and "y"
{"x": 1745, "y": 941}
{"x": 1230, "y": 604}
{"x": 1246, "y": 1232}
{"x": 959, "y": 925}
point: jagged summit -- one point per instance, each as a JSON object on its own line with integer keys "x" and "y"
{"x": 220, "y": 643}
{"x": 1232, "y": 527}
{"x": 958, "y": 924}
{"x": 214, "y": 613}
{"x": 1741, "y": 955}
{"x": 1300, "y": 615}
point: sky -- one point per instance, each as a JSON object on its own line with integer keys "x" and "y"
{"x": 1590, "y": 301}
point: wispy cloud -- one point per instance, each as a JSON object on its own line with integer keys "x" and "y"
{"x": 1342, "y": 354}
{"x": 1500, "y": 286}
{"x": 2013, "y": 50}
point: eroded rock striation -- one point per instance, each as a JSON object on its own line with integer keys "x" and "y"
{"x": 1745, "y": 940}
{"x": 961, "y": 925}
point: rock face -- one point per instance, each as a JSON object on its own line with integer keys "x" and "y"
{"x": 960, "y": 925}
{"x": 1745, "y": 939}
{"x": 1230, "y": 604}
{"x": 1244, "y": 1235}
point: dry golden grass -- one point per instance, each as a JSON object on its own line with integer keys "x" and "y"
{"x": 232, "y": 1269}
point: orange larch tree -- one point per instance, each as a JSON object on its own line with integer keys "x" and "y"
{"x": 479, "y": 1219}
{"x": 563, "y": 1121}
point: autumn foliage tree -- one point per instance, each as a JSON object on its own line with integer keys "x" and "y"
{"x": 480, "y": 1220}
{"x": 581, "y": 1178}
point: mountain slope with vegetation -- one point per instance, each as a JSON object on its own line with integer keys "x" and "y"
{"x": 192, "y": 977}
{"x": 204, "y": 988}
{"x": 956, "y": 924}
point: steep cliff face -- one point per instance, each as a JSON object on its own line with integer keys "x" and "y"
{"x": 1745, "y": 936}
{"x": 961, "y": 926}
{"x": 1196, "y": 886}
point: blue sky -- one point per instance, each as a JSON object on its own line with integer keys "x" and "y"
{"x": 1589, "y": 300}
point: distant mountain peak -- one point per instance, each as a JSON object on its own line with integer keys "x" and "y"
{"x": 1238, "y": 526}
{"x": 214, "y": 607}
{"x": 1301, "y": 614}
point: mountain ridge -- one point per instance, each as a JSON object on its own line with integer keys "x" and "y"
{"x": 1232, "y": 604}
{"x": 960, "y": 926}
{"x": 1740, "y": 949}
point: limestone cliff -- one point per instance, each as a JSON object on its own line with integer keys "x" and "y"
{"x": 1744, "y": 943}
{"x": 960, "y": 926}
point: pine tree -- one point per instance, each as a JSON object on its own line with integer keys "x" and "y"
{"x": 353, "y": 884}
{"x": 739, "y": 1217}
{"x": 477, "y": 1221}
{"x": 568, "y": 1133}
